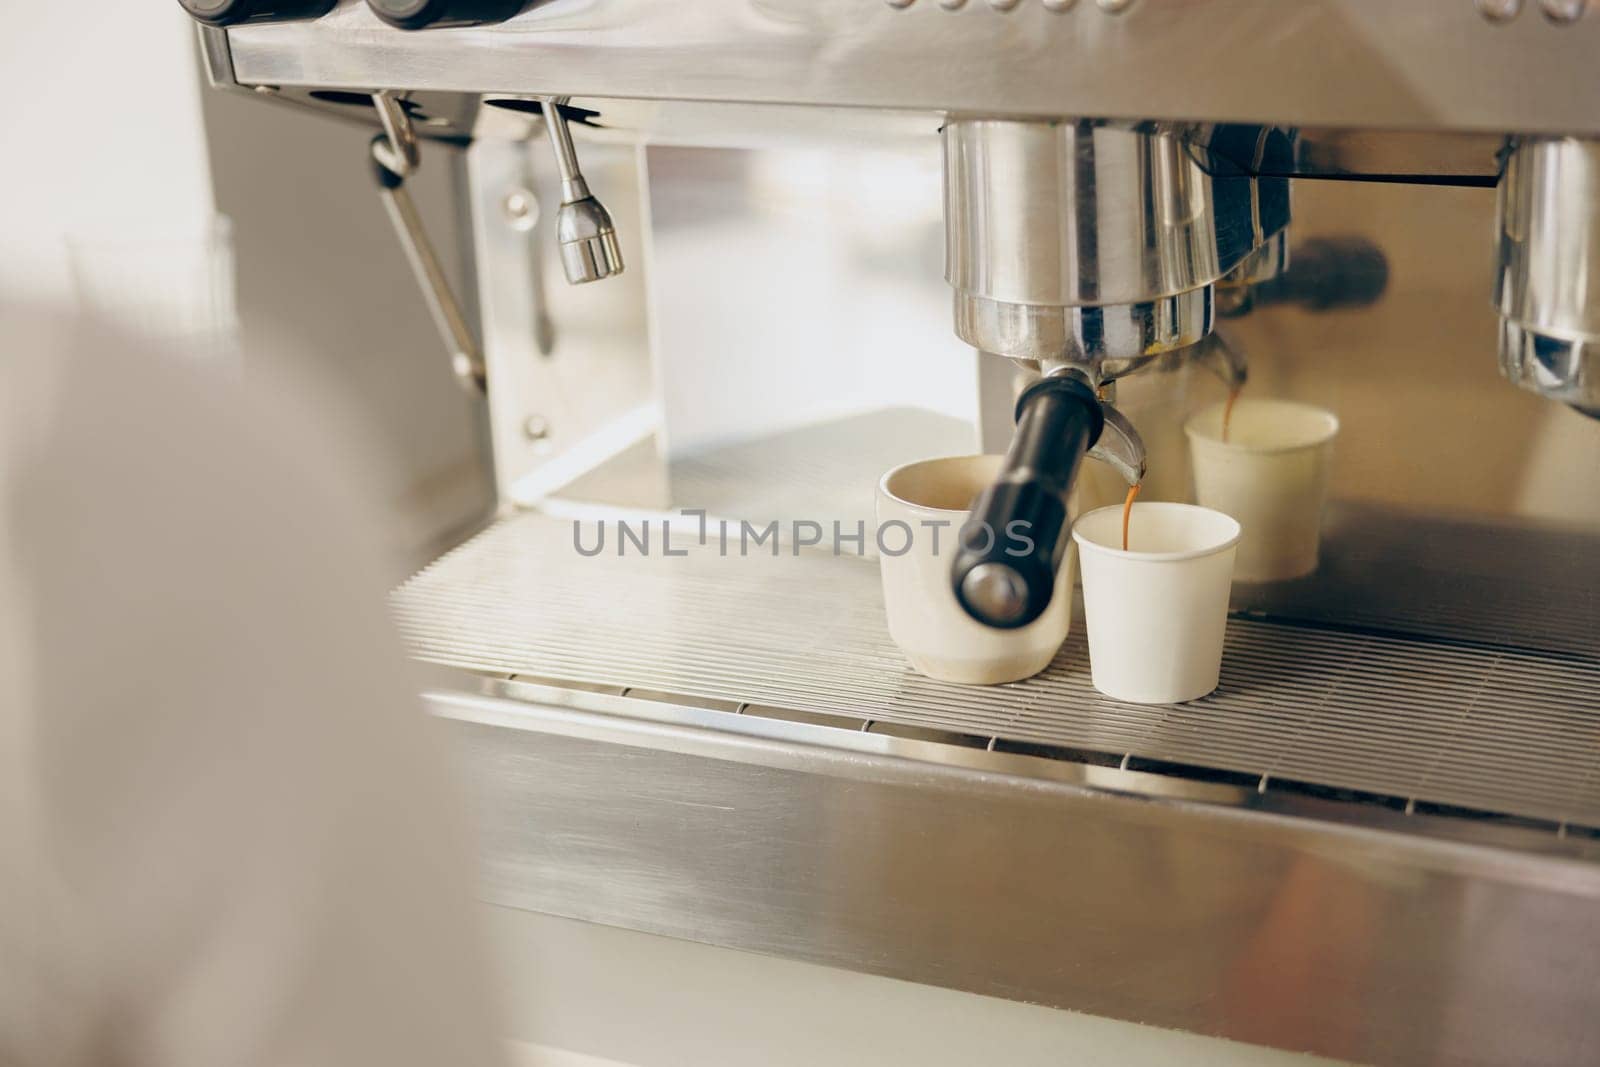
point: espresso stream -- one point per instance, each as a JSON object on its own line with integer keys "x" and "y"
{"x": 1127, "y": 512}
{"x": 1227, "y": 411}
{"x": 1133, "y": 490}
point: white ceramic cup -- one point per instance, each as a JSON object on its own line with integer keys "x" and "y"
{"x": 1157, "y": 612}
{"x": 923, "y": 506}
{"x": 1272, "y": 475}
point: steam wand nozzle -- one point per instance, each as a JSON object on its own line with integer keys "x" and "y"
{"x": 584, "y": 230}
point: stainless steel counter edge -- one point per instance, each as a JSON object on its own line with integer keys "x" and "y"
{"x": 1121, "y": 894}
{"x": 1532, "y": 858}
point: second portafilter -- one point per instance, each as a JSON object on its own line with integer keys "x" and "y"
{"x": 1546, "y": 286}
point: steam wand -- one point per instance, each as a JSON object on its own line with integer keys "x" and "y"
{"x": 588, "y": 239}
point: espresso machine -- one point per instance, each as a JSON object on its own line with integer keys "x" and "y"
{"x": 726, "y": 262}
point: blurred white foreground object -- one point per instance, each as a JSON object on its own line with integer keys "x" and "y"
{"x": 171, "y": 285}
{"x": 227, "y": 831}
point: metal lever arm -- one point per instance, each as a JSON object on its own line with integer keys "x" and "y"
{"x": 395, "y": 158}
{"x": 1326, "y": 273}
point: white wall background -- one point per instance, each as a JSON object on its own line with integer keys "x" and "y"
{"x": 101, "y": 133}
{"x": 104, "y": 139}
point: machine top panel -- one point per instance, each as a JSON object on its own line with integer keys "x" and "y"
{"x": 1371, "y": 64}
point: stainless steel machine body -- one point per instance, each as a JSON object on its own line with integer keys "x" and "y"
{"x": 1088, "y": 243}
{"x": 1378, "y": 839}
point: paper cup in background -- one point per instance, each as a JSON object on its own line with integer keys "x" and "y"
{"x": 1272, "y": 475}
{"x": 925, "y": 621}
{"x": 1156, "y": 613}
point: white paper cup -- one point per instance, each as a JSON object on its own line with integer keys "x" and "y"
{"x": 1272, "y": 475}
{"x": 923, "y": 505}
{"x": 1156, "y": 613}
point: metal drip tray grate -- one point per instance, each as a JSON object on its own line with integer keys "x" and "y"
{"x": 1494, "y": 729}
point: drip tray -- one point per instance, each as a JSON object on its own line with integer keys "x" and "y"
{"x": 1428, "y": 720}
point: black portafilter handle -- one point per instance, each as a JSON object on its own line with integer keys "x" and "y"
{"x": 1008, "y": 553}
{"x": 1327, "y": 273}
{"x": 436, "y": 14}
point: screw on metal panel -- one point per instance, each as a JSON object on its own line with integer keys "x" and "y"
{"x": 1563, "y": 10}
{"x": 1004, "y": 5}
{"x": 952, "y": 5}
{"x": 1058, "y": 5}
{"x": 521, "y": 208}
{"x": 1499, "y": 10}
{"x": 1114, "y": 7}
{"x": 536, "y": 428}
{"x": 898, "y": 3}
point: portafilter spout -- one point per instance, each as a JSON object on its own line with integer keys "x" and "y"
{"x": 1009, "y": 552}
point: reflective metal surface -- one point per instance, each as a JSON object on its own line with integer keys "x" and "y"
{"x": 1120, "y": 446}
{"x": 1408, "y": 714}
{"x": 1111, "y": 339}
{"x": 1362, "y": 64}
{"x": 1409, "y": 154}
{"x": 216, "y": 56}
{"x": 1033, "y": 879}
{"x": 996, "y": 593}
{"x": 1547, "y": 285}
{"x": 1085, "y": 243}
{"x": 569, "y": 363}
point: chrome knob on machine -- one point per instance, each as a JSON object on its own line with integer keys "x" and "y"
{"x": 233, "y": 12}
